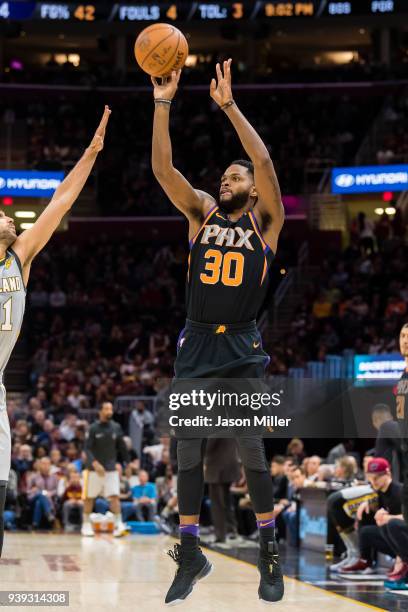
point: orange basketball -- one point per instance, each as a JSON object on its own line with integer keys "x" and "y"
{"x": 161, "y": 48}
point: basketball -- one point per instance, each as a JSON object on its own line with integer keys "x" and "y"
{"x": 161, "y": 48}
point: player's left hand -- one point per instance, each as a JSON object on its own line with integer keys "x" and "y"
{"x": 99, "y": 136}
{"x": 220, "y": 89}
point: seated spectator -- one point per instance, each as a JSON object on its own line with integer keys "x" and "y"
{"x": 167, "y": 500}
{"x": 41, "y": 491}
{"x": 144, "y": 499}
{"x": 374, "y": 538}
{"x": 279, "y": 478}
{"x": 72, "y": 504}
{"x": 10, "y": 509}
{"x": 342, "y": 507}
{"x": 311, "y": 466}
{"x": 288, "y": 508}
{"x": 346, "y": 469}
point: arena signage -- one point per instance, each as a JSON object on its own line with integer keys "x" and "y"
{"x": 29, "y": 183}
{"x": 365, "y": 179}
{"x": 373, "y": 368}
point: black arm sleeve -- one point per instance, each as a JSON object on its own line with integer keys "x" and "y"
{"x": 121, "y": 447}
{"x": 89, "y": 446}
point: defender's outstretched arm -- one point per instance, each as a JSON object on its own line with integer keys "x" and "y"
{"x": 31, "y": 241}
{"x": 269, "y": 207}
{"x": 193, "y": 203}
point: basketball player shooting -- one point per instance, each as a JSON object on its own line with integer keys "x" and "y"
{"x": 232, "y": 243}
{"x": 16, "y": 256}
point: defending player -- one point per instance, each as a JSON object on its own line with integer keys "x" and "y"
{"x": 16, "y": 255}
{"x": 232, "y": 244}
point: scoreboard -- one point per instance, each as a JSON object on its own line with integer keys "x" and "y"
{"x": 196, "y": 11}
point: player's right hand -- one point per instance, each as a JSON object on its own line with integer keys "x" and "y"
{"x": 99, "y": 469}
{"x": 167, "y": 87}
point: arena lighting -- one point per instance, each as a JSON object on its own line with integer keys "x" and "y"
{"x": 25, "y": 226}
{"x": 379, "y": 211}
{"x": 282, "y": 271}
{"x": 390, "y": 210}
{"x": 7, "y": 201}
{"x": 25, "y": 214}
{"x": 191, "y": 60}
{"x": 387, "y": 196}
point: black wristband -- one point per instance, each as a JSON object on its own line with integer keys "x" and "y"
{"x": 162, "y": 101}
{"x": 227, "y": 104}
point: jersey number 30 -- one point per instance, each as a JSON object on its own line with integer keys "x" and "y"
{"x": 6, "y": 325}
{"x": 219, "y": 265}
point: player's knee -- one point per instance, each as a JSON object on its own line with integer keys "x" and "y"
{"x": 252, "y": 454}
{"x": 189, "y": 454}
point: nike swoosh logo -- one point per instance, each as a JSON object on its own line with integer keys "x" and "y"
{"x": 256, "y": 344}
{"x": 265, "y": 524}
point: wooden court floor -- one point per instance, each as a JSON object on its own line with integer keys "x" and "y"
{"x": 133, "y": 574}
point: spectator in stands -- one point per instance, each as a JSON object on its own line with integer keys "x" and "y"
{"x": 72, "y": 503}
{"x": 167, "y": 500}
{"x": 10, "y": 510}
{"x": 279, "y": 478}
{"x": 365, "y": 232}
{"x": 295, "y": 450}
{"x": 144, "y": 498}
{"x": 311, "y": 466}
{"x": 41, "y": 491}
{"x": 288, "y": 508}
{"x": 346, "y": 469}
{"x": 387, "y": 506}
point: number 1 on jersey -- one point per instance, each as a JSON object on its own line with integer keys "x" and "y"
{"x": 7, "y": 307}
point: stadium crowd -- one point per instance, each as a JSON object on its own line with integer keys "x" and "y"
{"x": 325, "y": 130}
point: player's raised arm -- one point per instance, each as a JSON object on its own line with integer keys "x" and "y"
{"x": 30, "y": 242}
{"x": 269, "y": 208}
{"x": 192, "y": 202}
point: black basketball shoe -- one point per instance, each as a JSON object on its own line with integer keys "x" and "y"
{"x": 192, "y": 566}
{"x": 271, "y": 587}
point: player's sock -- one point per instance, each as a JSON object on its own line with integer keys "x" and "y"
{"x": 87, "y": 519}
{"x": 266, "y": 530}
{"x": 118, "y": 519}
{"x": 189, "y": 535}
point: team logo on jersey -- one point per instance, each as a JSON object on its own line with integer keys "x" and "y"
{"x": 8, "y": 263}
{"x": 230, "y": 236}
{"x": 221, "y": 329}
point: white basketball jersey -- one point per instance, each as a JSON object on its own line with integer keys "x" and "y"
{"x": 12, "y": 305}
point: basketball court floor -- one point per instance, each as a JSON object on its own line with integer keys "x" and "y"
{"x": 133, "y": 573}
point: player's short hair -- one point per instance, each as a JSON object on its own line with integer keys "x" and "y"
{"x": 246, "y": 163}
{"x": 405, "y": 324}
{"x": 383, "y": 409}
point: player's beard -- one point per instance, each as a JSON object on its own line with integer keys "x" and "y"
{"x": 237, "y": 201}
{"x": 7, "y": 237}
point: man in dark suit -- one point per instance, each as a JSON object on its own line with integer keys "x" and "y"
{"x": 221, "y": 469}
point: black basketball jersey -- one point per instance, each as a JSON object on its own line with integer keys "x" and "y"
{"x": 402, "y": 397}
{"x": 227, "y": 269}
